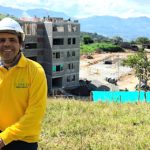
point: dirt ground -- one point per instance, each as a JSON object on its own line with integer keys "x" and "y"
{"x": 128, "y": 81}
{"x": 88, "y": 70}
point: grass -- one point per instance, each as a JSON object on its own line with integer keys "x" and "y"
{"x": 99, "y": 47}
{"x": 79, "y": 125}
{"x": 88, "y": 48}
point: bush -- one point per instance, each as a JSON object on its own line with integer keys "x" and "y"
{"x": 99, "y": 47}
{"x": 110, "y": 48}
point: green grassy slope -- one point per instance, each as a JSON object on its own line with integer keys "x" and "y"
{"x": 79, "y": 125}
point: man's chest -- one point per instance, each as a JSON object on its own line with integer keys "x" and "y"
{"x": 14, "y": 82}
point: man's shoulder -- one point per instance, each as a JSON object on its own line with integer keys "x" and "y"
{"x": 33, "y": 65}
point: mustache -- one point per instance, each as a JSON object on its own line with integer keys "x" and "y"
{"x": 7, "y": 47}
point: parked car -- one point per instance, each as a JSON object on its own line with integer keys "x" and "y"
{"x": 109, "y": 62}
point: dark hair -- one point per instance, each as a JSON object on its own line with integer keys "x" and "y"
{"x": 20, "y": 38}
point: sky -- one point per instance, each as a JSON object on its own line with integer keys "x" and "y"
{"x": 86, "y": 8}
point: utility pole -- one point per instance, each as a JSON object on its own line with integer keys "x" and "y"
{"x": 118, "y": 66}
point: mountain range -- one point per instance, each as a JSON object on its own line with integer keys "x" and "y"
{"x": 110, "y": 26}
{"x": 128, "y": 29}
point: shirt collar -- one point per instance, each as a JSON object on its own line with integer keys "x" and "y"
{"x": 22, "y": 62}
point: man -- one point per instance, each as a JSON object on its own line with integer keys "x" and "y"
{"x": 23, "y": 91}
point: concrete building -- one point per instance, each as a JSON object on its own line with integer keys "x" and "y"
{"x": 55, "y": 44}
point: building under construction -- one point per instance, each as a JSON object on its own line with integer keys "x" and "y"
{"x": 55, "y": 44}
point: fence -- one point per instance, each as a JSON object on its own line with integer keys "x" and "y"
{"x": 121, "y": 97}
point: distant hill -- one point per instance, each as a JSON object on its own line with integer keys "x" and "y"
{"x": 128, "y": 29}
{"x": 31, "y": 12}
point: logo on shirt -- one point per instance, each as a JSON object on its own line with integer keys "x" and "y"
{"x": 22, "y": 85}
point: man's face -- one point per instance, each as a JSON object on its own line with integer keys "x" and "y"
{"x": 9, "y": 47}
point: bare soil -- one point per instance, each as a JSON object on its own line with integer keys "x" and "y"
{"x": 127, "y": 80}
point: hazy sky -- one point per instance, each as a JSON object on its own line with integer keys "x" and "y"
{"x": 86, "y": 8}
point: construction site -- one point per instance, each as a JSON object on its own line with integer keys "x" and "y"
{"x": 106, "y": 72}
{"x": 55, "y": 44}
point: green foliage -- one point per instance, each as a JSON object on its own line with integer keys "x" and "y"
{"x": 77, "y": 125}
{"x": 87, "y": 39}
{"x": 99, "y": 47}
{"x": 142, "y": 40}
{"x": 131, "y": 61}
{"x": 140, "y": 63}
{"x": 95, "y": 37}
{"x": 108, "y": 47}
{"x": 90, "y": 48}
{"x": 2, "y": 16}
{"x": 117, "y": 40}
{"x": 6, "y": 15}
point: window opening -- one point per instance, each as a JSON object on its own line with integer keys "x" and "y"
{"x": 58, "y": 41}
{"x": 73, "y": 53}
{"x": 30, "y": 45}
{"x": 69, "y": 41}
{"x": 57, "y": 68}
{"x": 74, "y": 41}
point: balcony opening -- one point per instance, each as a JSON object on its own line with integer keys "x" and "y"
{"x": 57, "y": 82}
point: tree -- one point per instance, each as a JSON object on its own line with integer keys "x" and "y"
{"x": 142, "y": 40}
{"x": 7, "y": 15}
{"x": 87, "y": 39}
{"x": 117, "y": 40}
{"x": 140, "y": 63}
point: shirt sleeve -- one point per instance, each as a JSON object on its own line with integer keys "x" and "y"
{"x": 30, "y": 123}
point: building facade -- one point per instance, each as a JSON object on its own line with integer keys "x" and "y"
{"x": 55, "y": 44}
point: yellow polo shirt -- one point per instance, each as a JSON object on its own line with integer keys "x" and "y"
{"x": 23, "y": 95}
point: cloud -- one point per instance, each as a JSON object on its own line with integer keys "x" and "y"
{"x": 86, "y": 8}
{"x": 121, "y": 8}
